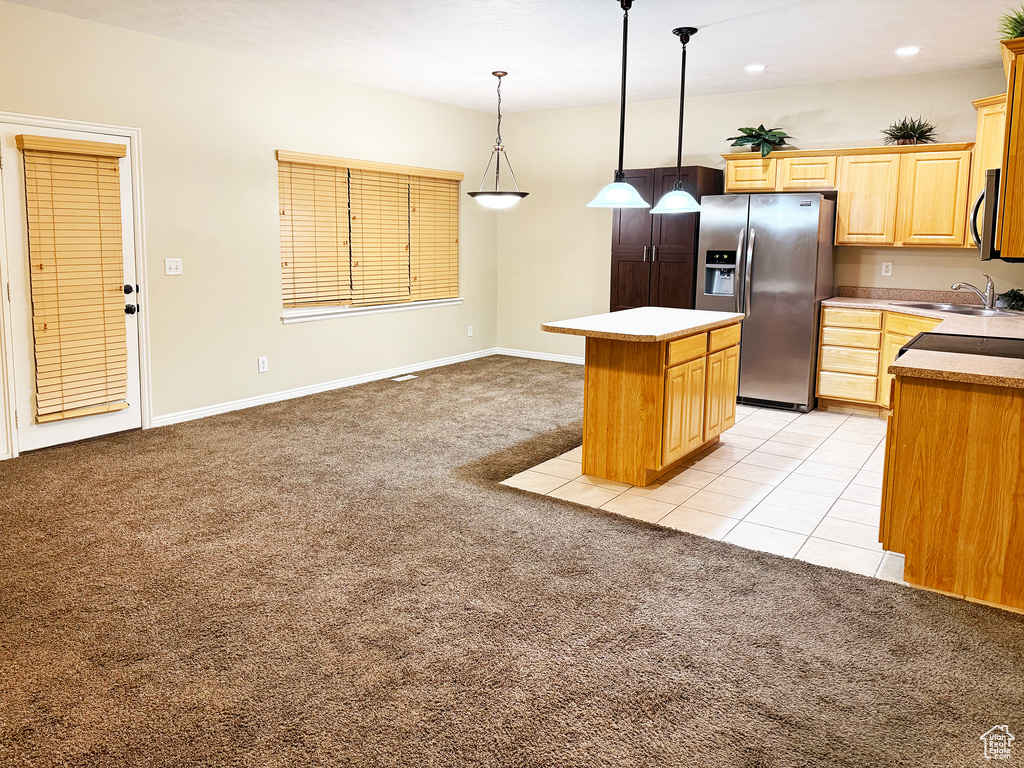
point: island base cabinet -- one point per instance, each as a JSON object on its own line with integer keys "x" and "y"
{"x": 646, "y": 405}
{"x": 684, "y": 409}
{"x": 952, "y": 492}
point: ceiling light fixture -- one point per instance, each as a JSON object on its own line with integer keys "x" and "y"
{"x": 620, "y": 194}
{"x": 497, "y": 198}
{"x": 679, "y": 200}
{"x": 909, "y": 50}
{"x": 755, "y": 68}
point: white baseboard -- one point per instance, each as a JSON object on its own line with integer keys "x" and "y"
{"x": 538, "y": 355}
{"x": 289, "y": 394}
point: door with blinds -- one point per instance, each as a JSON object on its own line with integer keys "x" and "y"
{"x": 74, "y": 301}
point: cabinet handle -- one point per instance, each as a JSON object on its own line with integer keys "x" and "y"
{"x": 974, "y": 218}
{"x": 654, "y": 253}
{"x": 645, "y": 252}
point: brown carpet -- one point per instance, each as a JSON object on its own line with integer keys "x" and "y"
{"x": 339, "y": 581}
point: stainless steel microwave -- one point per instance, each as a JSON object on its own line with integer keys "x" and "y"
{"x": 987, "y": 209}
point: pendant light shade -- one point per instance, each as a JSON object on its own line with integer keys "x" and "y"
{"x": 498, "y": 198}
{"x": 620, "y": 194}
{"x": 678, "y": 200}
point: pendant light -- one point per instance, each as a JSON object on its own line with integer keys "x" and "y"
{"x": 497, "y": 198}
{"x": 679, "y": 200}
{"x": 620, "y": 194}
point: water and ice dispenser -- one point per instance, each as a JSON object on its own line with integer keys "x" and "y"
{"x": 720, "y": 276}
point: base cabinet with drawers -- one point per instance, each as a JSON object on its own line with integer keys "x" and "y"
{"x": 857, "y": 347}
{"x": 649, "y": 405}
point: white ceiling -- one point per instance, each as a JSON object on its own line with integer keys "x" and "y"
{"x": 566, "y": 53}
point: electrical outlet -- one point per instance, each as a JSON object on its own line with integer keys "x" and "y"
{"x": 172, "y": 266}
{"x": 470, "y": 330}
{"x": 886, "y": 269}
{"x": 261, "y": 364}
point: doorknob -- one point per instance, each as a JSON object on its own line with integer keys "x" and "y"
{"x": 130, "y": 309}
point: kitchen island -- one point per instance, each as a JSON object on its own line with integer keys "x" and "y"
{"x": 953, "y": 494}
{"x": 660, "y": 385}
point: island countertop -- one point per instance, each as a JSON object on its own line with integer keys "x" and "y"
{"x": 644, "y": 324}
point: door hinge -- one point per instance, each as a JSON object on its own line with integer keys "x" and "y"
{"x": 8, "y": 291}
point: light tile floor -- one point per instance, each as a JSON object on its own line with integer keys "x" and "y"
{"x": 807, "y": 486}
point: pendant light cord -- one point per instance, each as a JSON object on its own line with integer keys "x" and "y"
{"x": 626, "y": 4}
{"x": 684, "y": 34}
{"x": 498, "y": 141}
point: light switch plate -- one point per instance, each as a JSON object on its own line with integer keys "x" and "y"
{"x": 172, "y": 266}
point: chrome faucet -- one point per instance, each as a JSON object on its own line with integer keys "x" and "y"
{"x": 988, "y": 297}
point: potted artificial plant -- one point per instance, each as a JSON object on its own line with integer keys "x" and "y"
{"x": 1011, "y": 24}
{"x": 910, "y": 130}
{"x": 760, "y": 138}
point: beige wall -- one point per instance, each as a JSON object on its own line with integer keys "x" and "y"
{"x": 554, "y": 251}
{"x": 210, "y": 124}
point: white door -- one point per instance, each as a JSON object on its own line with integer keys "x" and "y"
{"x": 35, "y": 430}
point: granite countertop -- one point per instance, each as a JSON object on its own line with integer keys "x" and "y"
{"x": 948, "y": 366}
{"x": 644, "y": 324}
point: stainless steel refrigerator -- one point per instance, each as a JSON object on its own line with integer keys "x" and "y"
{"x": 770, "y": 257}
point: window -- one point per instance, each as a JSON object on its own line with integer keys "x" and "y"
{"x": 361, "y": 234}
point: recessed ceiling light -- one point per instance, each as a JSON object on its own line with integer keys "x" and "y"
{"x": 910, "y": 50}
{"x": 755, "y": 68}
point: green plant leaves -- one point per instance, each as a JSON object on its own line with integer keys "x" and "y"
{"x": 764, "y": 138}
{"x": 1011, "y": 24}
{"x": 917, "y": 130}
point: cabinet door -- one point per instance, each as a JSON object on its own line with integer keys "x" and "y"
{"x": 683, "y": 428}
{"x": 866, "y": 209}
{"x": 891, "y": 345}
{"x": 932, "y": 207}
{"x": 631, "y": 247}
{"x": 730, "y": 387}
{"x": 796, "y": 173}
{"x": 988, "y": 147}
{"x": 713, "y": 400}
{"x": 754, "y": 175}
{"x": 674, "y": 245}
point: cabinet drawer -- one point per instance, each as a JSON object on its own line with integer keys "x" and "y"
{"x": 750, "y": 175}
{"x": 847, "y": 386}
{"x": 908, "y": 325}
{"x": 684, "y": 350}
{"x": 807, "y": 173}
{"x": 849, "y": 360}
{"x": 848, "y": 337}
{"x": 724, "y": 337}
{"x": 853, "y": 318}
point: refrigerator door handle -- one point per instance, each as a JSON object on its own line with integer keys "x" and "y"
{"x": 749, "y": 268}
{"x": 975, "y": 234}
{"x": 739, "y": 251}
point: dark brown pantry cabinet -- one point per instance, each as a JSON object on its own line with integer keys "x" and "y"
{"x": 654, "y": 258}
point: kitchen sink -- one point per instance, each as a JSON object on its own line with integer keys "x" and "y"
{"x": 960, "y": 309}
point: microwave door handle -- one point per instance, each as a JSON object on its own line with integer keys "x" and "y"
{"x": 747, "y": 274}
{"x": 975, "y": 235}
{"x": 737, "y": 278}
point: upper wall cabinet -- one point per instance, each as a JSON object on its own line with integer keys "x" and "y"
{"x": 988, "y": 145}
{"x": 866, "y": 213}
{"x": 895, "y": 196}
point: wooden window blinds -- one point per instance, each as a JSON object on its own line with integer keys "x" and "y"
{"x": 357, "y": 233}
{"x": 73, "y": 197}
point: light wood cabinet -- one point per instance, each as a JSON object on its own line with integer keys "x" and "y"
{"x": 723, "y": 381}
{"x": 988, "y": 145}
{"x": 951, "y": 502}
{"x": 854, "y": 359}
{"x": 685, "y": 386}
{"x": 797, "y": 173}
{"x": 648, "y": 405}
{"x": 754, "y": 175}
{"x": 866, "y": 204}
{"x": 932, "y": 199}
{"x": 1010, "y": 226}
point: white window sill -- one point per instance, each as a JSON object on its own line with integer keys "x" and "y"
{"x": 291, "y": 316}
